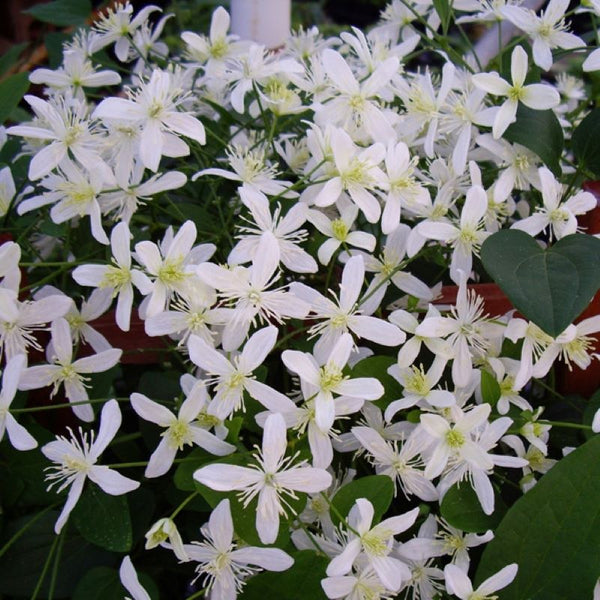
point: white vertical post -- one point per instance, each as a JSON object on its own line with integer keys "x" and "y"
{"x": 266, "y": 22}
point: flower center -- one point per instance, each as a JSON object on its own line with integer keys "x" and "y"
{"x": 340, "y": 230}
{"x": 180, "y": 434}
{"x": 455, "y": 439}
{"x": 330, "y": 377}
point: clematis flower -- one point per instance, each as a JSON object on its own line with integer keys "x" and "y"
{"x": 76, "y": 461}
{"x": 67, "y": 371}
{"x": 19, "y": 437}
{"x": 537, "y": 95}
{"x": 559, "y": 216}
{"x": 154, "y": 107}
{"x": 344, "y": 314}
{"x": 328, "y": 380}
{"x": 270, "y": 479}
{"x": 234, "y": 376}
{"x": 548, "y": 31}
{"x": 222, "y": 565}
{"x": 376, "y": 543}
{"x": 171, "y": 264}
{"x": 247, "y": 293}
{"x": 180, "y": 431}
{"x": 119, "y": 278}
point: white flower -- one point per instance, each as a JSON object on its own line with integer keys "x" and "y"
{"x": 74, "y": 193}
{"x": 455, "y": 441}
{"x": 76, "y": 461}
{"x": 285, "y": 229}
{"x": 19, "y": 437}
{"x": 171, "y": 264}
{"x": 345, "y": 315}
{"x": 560, "y": 216}
{"x": 153, "y": 106}
{"x": 548, "y": 31}
{"x": 234, "y": 376}
{"x": 355, "y": 171}
{"x": 180, "y": 431}
{"x": 163, "y": 530}
{"x": 116, "y": 26}
{"x": 246, "y": 292}
{"x": 469, "y": 332}
{"x": 67, "y": 371}
{"x": 270, "y": 479}
{"x": 67, "y": 128}
{"x": 77, "y": 72}
{"x": 18, "y": 320}
{"x": 537, "y": 95}
{"x": 328, "y": 380}
{"x": 402, "y": 466}
{"x": 459, "y": 584}
{"x": 355, "y": 105}
{"x": 223, "y": 565}
{"x": 119, "y": 278}
{"x": 339, "y": 231}
{"x": 376, "y": 543}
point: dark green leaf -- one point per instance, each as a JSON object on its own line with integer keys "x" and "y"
{"x": 442, "y": 7}
{"x": 549, "y": 287}
{"x": 585, "y": 142}
{"x": 62, "y": 12}
{"x": 183, "y": 479}
{"x": 12, "y": 90}
{"x": 552, "y": 533}
{"x": 103, "y": 519}
{"x": 21, "y": 566}
{"x": 54, "y": 42}
{"x": 461, "y": 508}
{"x": 300, "y": 582}
{"x": 490, "y": 390}
{"x": 100, "y": 583}
{"x": 540, "y": 131}
{"x": 11, "y": 56}
{"x": 378, "y": 489}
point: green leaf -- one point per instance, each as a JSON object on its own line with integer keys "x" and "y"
{"x": 11, "y": 56}
{"x": 585, "y": 142}
{"x": 461, "y": 509}
{"x": 378, "y": 489}
{"x": 22, "y": 564}
{"x": 490, "y": 390}
{"x": 54, "y": 42}
{"x": 12, "y": 90}
{"x": 301, "y": 581}
{"x": 540, "y": 131}
{"x": 184, "y": 479}
{"x": 62, "y": 12}
{"x": 552, "y": 533}
{"x": 442, "y": 7}
{"x": 101, "y": 583}
{"x": 103, "y": 519}
{"x": 550, "y": 287}
{"x": 377, "y": 366}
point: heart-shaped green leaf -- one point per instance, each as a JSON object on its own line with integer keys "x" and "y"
{"x": 550, "y": 287}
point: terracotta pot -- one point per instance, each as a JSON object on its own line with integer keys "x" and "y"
{"x": 138, "y": 348}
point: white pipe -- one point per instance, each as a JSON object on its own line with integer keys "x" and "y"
{"x": 266, "y": 22}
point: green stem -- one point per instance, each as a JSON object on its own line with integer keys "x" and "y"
{"x": 336, "y": 512}
{"x": 197, "y": 594}
{"x": 54, "y": 574}
{"x": 566, "y": 425}
{"x": 45, "y": 568}
{"x": 15, "y": 411}
{"x": 183, "y": 504}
